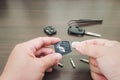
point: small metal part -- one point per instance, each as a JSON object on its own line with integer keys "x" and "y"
{"x": 75, "y": 30}
{"x": 72, "y": 63}
{"x": 60, "y": 65}
{"x": 93, "y": 34}
{"x": 62, "y": 47}
{"x": 49, "y": 30}
{"x": 84, "y": 60}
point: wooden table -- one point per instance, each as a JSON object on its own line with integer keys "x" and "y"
{"x": 22, "y": 20}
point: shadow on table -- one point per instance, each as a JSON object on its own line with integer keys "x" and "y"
{"x": 3, "y": 4}
{"x": 68, "y": 75}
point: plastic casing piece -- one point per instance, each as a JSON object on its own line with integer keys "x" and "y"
{"x": 62, "y": 47}
{"x": 74, "y": 30}
{"x": 49, "y": 30}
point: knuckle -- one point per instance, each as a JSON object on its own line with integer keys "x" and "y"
{"x": 20, "y": 46}
{"x": 46, "y": 62}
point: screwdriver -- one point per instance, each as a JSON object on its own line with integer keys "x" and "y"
{"x": 74, "y": 30}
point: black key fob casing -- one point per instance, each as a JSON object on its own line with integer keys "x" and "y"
{"x": 62, "y": 47}
{"x": 74, "y": 30}
{"x": 49, "y": 30}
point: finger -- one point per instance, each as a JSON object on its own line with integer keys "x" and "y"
{"x": 90, "y": 50}
{"x": 37, "y": 43}
{"x": 95, "y": 69}
{"x": 49, "y": 60}
{"x": 100, "y": 42}
{"x": 94, "y": 66}
{"x": 96, "y": 76}
{"x": 44, "y": 51}
{"x": 93, "y": 62}
{"x": 49, "y": 70}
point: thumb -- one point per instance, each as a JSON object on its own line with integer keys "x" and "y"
{"x": 90, "y": 50}
{"x": 49, "y": 60}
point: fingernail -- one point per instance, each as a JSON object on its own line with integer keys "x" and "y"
{"x": 58, "y": 39}
{"x": 75, "y": 44}
{"x": 78, "y": 46}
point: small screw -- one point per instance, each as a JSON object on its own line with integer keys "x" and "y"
{"x": 72, "y": 63}
{"x": 84, "y": 60}
{"x": 60, "y": 65}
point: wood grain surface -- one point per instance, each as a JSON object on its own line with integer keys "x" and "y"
{"x": 22, "y": 20}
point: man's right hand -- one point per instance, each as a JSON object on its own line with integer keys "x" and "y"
{"x": 104, "y": 57}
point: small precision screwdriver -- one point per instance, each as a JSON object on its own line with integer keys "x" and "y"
{"x": 72, "y": 63}
{"x": 74, "y": 30}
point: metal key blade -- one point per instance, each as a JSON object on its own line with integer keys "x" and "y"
{"x": 93, "y": 34}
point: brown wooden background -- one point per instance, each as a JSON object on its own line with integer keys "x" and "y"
{"x": 22, "y": 20}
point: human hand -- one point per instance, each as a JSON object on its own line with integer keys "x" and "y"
{"x": 104, "y": 57}
{"x": 29, "y": 60}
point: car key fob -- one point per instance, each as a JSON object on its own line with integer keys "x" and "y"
{"x": 62, "y": 47}
{"x": 74, "y": 30}
{"x": 49, "y": 30}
